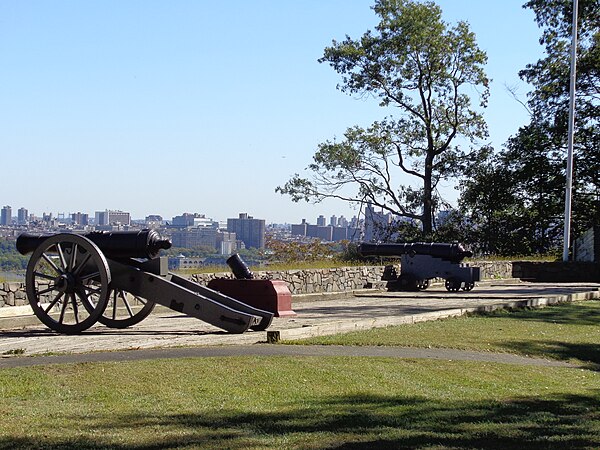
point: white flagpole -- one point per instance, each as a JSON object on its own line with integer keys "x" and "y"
{"x": 569, "y": 187}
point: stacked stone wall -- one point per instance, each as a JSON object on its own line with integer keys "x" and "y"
{"x": 494, "y": 270}
{"x": 586, "y": 248}
{"x": 309, "y": 281}
{"x": 313, "y": 281}
{"x": 12, "y": 294}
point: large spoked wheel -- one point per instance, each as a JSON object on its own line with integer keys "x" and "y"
{"x": 125, "y": 309}
{"x": 67, "y": 283}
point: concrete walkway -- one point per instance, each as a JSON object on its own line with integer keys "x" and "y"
{"x": 327, "y": 314}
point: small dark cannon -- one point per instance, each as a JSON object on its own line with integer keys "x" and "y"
{"x": 116, "y": 278}
{"x": 270, "y": 295}
{"x": 420, "y": 262}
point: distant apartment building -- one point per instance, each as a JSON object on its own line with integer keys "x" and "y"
{"x": 321, "y": 221}
{"x": 249, "y": 230}
{"x": 323, "y": 232}
{"x": 22, "y": 216}
{"x": 195, "y": 237}
{"x": 226, "y": 242}
{"x": 342, "y": 222}
{"x": 6, "y": 216}
{"x": 300, "y": 229}
{"x": 153, "y": 221}
{"x": 341, "y": 231}
{"x": 193, "y": 220}
{"x": 80, "y": 219}
{"x": 109, "y": 217}
{"x": 377, "y": 225}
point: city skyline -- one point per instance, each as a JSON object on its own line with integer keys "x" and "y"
{"x": 203, "y": 106}
{"x": 93, "y": 215}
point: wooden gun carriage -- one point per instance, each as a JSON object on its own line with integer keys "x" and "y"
{"x": 74, "y": 281}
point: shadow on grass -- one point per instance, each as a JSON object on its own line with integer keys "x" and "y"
{"x": 351, "y": 422}
{"x": 588, "y": 353}
{"x": 566, "y": 313}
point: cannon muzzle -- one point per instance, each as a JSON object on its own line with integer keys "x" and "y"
{"x": 239, "y": 268}
{"x": 113, "y": 244}
{"x": 450, "y": 252}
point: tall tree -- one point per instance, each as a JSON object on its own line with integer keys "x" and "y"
{"x": 549, "y": 100}
{"x": 529, "y": 171}
{"x": 427, "y": 70}
{"x": 513, "y": 198}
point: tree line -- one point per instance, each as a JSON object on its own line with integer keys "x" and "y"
{"x": 10, "y": 259}
{"x": 433, "y": 75}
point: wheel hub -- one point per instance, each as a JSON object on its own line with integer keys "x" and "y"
{"x": 65, "y": 283}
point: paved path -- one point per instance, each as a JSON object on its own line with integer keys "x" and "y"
{"x": 282, "y": 350}
{"x": 365, "y": 310}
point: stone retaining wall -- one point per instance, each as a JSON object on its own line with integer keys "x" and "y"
{"x": 12, "y": 294}
{"x": 586, "y": 248}
{"x": 311, "y": 281}
{"x": 557, "y": 271}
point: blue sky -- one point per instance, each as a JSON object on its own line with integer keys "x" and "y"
{"x": 157, "y": 107}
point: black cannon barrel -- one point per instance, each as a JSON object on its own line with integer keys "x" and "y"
{"x": 239, "y": 268}
{"x": 113, "y": 244}
{"x": 454, "y": 252}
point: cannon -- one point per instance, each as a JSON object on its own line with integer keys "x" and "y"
{"x": 420, "y": 262}
{"x": 76, "y": 280}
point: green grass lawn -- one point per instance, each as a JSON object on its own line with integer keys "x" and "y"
{"x": 569, "y": 332}
{"x": 310, "y": 402}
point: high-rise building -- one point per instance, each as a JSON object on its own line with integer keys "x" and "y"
{"x": 184, "y": 220}
{"x": 193, "y": 220}
{"x": 323, "y": 232}
{"x": 377, "y": 225}
{"x": 153, "y": 221}
{"x": 226, "y": 242}
{"x": 342, "y": 222}
{"x": 321, "y": 221}
{"x": 299, "y": 229}
{"x": 109, "y": 217}
{"x": 339, "y": 233}
{"x": 80, "y": 219}
{"x": 101, "y": 218}
{"x": 6, "y": 216}
{"x": 119, "y": 217}
{"x": 195, "y": 237}
{"x": 22, "y": 216}
{"x": 249, "y": 230}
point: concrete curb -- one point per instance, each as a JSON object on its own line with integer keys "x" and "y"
{"x": 327, "y": 329}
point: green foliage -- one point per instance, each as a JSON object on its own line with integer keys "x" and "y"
{"x": 288, "y": 252}
{"x": 549, "y": 101}
{"x": 10, "y": 258}
{"x": 510, "y": 201}
{"x": 515, "y": 199}
{"x": 425, "y": 68}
